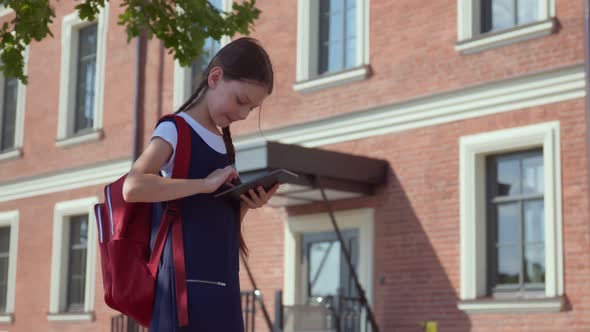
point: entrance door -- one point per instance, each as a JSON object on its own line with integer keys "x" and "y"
{"x": 326, "y": 273}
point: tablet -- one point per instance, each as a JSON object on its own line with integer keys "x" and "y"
{"x": 267, "y": 181}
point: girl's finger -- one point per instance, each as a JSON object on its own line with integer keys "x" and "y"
{"x": 273, "y": 190}
{"x": 255, "y": 198}
{"x": 263, "y": 195}
{"x": 226, "y": 175}
{"x": 231, "y": 172}
{"x": 248, "y": 201}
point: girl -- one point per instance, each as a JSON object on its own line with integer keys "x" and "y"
{"x": 236, "y": 81}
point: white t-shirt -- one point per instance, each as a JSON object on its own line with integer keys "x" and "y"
{"x": 167, "y": 131}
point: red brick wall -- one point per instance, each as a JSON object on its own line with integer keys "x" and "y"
{"x": 33, "y": 279}
{"x": 40, "y": 155}
{"x": 411, "y": 54}
{"x": 417, "y": 257}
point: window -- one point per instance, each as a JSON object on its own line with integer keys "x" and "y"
{"x": 73, "y": 264}
{"x": 9, "y": 114}
{"x": 4, "y": 260}
{"x": 311, "y": 239}
{"x": 82, "y": 79}
{"x": 12, "y": 106}
{"x": 78, "y": 246}
{"x": 337, "y": 49}
{"x": 210, "y": 48}
{"x": 186, "y": 79}
{"x": 326, "y": 271}
{"x": 332, "y": 43}
{"x": 505, "y": 14}
{"x": 515, "y": 223}
{"x": 8, "y": 247}
{"x": 511, "y": 247}
{"x": 484, "y": 24}
{"x": 85, "y": 88}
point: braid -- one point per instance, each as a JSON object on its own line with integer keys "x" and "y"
{"x": 231, "y": 153}
{"x": 229, "y": 145}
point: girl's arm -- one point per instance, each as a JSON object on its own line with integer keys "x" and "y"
{"x": 143, "y": 184}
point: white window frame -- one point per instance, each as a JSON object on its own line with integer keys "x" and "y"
{"x": 361, "y": 219}
{"x": 5, "y": 10}
{"x": 71, "y": 26}
{"x": 469, "y": 26}
{"x": 20, "y": 112}
{"x": 308, "y": 53}
{"x": 473, "y": 151}
{"x": 59, "y": 267}
{"x": 10, "y": 218}
{"x": 183, "y": 75}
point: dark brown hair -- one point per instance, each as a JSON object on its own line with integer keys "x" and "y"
{"x": 243, "y": 59}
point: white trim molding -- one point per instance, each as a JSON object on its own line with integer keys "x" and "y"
{"x": 470, "y": 39}
{"x": 5, "y": 10}
{"x": 12, "y": 154}
{"x": 340, "y": 78}
{"x": 513, "y": 307}
{"x": 6, "y": 319}
{"x": 59, "y": 258}
{"x": 183, "y": 75}
{"x": 10, "y": 219}
{"x": 361, "y": 219}
{"x": 71, "y": 25}
{"x": 473, "y": 150}
{"x": 67, "y": 317}
{"x": 93, "y": 136}
{"x": 66, "y": 180}
{"x": 486, "y": 99}
{"x": 20, "y": 113}
{"x": 307, "y": 78}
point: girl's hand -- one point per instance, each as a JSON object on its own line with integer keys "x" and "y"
{"x": 219, "y": 177}
{"x": 258, "y": 198}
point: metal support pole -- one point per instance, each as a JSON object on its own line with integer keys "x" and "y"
{"x": 278, "y": 327}
{"x": 257, "y": 293}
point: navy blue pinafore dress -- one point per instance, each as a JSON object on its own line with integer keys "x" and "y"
{"x": 211, "y": 249}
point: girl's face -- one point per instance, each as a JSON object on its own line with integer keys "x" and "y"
{"x": 232, "y": 100}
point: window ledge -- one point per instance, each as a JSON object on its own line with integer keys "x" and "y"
{"x": 71, "y": 317}
{"x": 11, "y": 154}
{"x": 6, "y": 318}
{"x": 5, "y": 11}
{"x": 506, "y": 37}
{"x": 555, "y": 304}
{"x": 330, "y": 80}
{"x": 80, "y": 139}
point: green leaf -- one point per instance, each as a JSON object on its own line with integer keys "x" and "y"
{"x": 181, "y": 25}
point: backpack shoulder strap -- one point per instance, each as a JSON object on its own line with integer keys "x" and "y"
{"x": 172, "y": 219}
{"x": 183, "y": 146}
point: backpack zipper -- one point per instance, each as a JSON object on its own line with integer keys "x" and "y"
{"x": 218, "y": 283}
{"x": 97, "y": 211}
{"x": 110, "y": 209}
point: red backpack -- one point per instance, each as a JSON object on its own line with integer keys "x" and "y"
{"x": 129, "y": 271}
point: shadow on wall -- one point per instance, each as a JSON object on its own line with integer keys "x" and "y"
{"x": 411, "y": 286}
